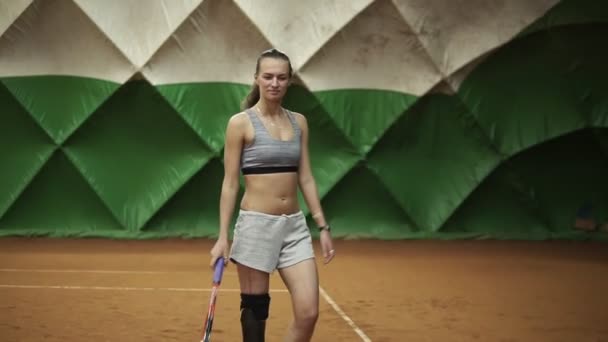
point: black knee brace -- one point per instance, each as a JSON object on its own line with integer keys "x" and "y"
{"x": 258, "y": 304}
{"x": 254, "y": 312}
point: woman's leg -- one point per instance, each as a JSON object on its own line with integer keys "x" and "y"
{"x": 302, "y": 281}
{"x": 255, "y": 302}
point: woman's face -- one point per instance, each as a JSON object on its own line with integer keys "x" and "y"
{"x": 273, "y": 78}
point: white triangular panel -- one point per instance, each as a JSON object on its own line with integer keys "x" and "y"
{"x": 300, "y": 28}
{"x": 376, "y": 50}
{"x": 10, "y": 11}
{"x": 54, "y": 37}
{"x": 138, "y": 27}
{"x": 457, "y": 31}
{"x": 217, "y": 43}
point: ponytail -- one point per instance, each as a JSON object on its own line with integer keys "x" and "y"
{"x": 252, "y": 98}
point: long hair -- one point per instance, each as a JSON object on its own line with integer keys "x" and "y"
{"x": 254, "y": 94}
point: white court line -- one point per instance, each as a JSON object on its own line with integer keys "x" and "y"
{"x": 350, "y": 322}
{"x": 327, "y": 298}
{"x": 50, "y": 270}
{"x": 122, "y": 288}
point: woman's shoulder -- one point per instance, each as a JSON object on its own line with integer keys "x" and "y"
{"x": 238, "y": 120}
{"x": 300, "y": 118}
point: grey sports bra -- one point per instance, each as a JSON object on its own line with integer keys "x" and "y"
{"x": 266, "y": 154}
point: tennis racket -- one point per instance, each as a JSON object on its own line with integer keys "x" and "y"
{"x": 217, "y": 280}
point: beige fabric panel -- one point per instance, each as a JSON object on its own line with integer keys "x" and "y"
{"x": 376, "y": 50}
{"x": 217, "y": 43}
{"x": 54, "y": 37}
{"x": 298, "y": 27}
{"x": 138, "y": 27}
{"x": 446, "y": 27}
{"x": 10, "y": 10}
{"x": 403, "y": 45}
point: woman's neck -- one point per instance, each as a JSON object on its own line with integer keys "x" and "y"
{"x": 271, "y": 109}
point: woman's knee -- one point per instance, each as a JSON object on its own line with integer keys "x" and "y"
{"x": 257, "y": 304}
{"x": 307, "y": 315}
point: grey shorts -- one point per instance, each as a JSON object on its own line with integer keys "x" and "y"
{"x": 268, "y": 242}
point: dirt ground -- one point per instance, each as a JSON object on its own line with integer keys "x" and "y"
{"x": 507, "y": 291}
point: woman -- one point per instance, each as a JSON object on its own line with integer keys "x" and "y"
{"x": 269, "y": 145}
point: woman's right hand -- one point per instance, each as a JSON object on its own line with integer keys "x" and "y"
{"x": 219, "y": 250}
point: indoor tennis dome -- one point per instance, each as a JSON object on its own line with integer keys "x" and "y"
{"x": 428, "y": 118}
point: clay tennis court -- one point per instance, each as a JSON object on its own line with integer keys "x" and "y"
{"x": 108, "y": 290}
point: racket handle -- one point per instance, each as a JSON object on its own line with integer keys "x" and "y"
{"x": 219, "y": 270}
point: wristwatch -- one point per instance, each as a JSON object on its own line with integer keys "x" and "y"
{"x": 325, "y": 227}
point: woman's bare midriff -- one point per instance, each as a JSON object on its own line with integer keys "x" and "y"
{"x": 273, "y": 194}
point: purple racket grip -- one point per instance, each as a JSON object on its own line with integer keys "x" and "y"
{"x": 219, "y": 271}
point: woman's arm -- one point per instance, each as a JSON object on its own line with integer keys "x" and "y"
{"x": 309, "y": 190}
{"x": 230, "y": 185}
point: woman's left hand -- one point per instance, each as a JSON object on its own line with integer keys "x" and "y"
{"x": 327, "y": 246}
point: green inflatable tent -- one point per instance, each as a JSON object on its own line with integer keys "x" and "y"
{"x": 429, "y": 119}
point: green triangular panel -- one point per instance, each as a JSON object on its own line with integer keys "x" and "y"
{"x": 136, "y": 152}
{"x": 331, "y": 154}
{"x": 194, "y": 210}
{"x": 364, "y": 115}
{"x": 501, "y": 207}
{"x": 523, "y": 94}
{"x": 538, "y": 193}
{"x": 206, "y": 107}
{"x": 24, "y": 148}
{"x": 59, "y": 202}
{"x": 379, "y": 215}
{"x": 432, "y": 158}
{"x": 570, "y": 13}
{"x": 566, "y": 174}
{"x": 601, "y": 136}
{"x": 587, "y": 68}
{"x": 60, "y": 103}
